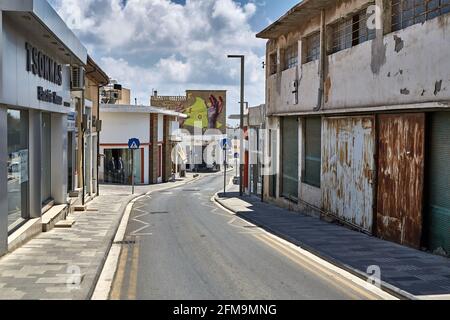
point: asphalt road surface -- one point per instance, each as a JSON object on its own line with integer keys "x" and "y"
{"x": 180, "y": 245}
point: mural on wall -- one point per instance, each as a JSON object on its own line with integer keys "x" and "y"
{"x": 205, "y": 110}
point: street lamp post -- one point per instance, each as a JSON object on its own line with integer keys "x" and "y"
{"x": 241, "y": 151}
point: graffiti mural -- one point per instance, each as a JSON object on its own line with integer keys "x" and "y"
{"x": 205, "y": 109}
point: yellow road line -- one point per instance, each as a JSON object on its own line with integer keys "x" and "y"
{"x": 317, "y": 269}
{"x": 132, "y": 285}
{"x": 118, "y": 279}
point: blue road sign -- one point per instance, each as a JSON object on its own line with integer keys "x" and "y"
{"x": 225, "y": 144}
{"x": 134, "y": 144}
{"x": 236, "y": 155}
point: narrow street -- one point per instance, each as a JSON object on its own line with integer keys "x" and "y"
{"x": 180, "y": 245}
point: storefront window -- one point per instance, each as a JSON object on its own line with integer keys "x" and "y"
{"x": 17, "y": 125}
{"x": 118, "y": 166}
{"x": 46, "y": 148}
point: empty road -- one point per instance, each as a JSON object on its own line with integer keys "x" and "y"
{"x": 180, "y": 245}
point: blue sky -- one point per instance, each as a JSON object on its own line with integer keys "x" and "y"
{"x": 171, "y": 46}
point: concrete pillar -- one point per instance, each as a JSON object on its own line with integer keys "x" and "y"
{"x": 153, "y": 157}
{"x": 35, "y": 132}
{"x": 59, "y": 158}
{"x": 3, "y": 182}
{"x": 167, "y": 150}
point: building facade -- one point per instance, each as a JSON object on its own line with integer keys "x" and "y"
{"x": 204, "y": 125}
{"x": 154, "y": 127}
{"x": 37, "y": 52}
{"x": 83, "y": 138}
{"x": 256, "y": 125}
{"x": 357, "y": 96}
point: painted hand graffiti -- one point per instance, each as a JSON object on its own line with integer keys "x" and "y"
{"x": 214, "y": 110}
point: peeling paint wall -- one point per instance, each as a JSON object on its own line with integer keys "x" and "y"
{"x": 348, "y": 169}
{"x": 409, "y": 66}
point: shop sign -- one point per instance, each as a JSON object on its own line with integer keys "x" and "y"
{"x": 43, "y": 66}
{"x": 49, "y": 96}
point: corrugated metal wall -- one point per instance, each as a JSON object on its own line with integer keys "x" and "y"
{"x": 400, "y": 177}
{"x": 348, "y": 169}
{"x": 438, "y": 209}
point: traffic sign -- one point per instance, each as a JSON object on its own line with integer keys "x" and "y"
{"x": 225, "y": 144}
{"x": 236, "y": 155}
{"x": 134, "y": 144}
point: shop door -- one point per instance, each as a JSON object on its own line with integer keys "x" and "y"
{"x": 289, "y": 158}
{"x": 438, "y": 204}
{"x": 400, "y": 178}
{"x": 349, "y": 169}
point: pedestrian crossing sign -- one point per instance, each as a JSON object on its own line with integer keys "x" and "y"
{"x": 134, "y": 144}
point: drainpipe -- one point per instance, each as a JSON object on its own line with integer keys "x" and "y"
{"x": 322, "y": 62}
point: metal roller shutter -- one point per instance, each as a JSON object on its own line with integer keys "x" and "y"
{"x": 438, "y": 211}
{"x": 290, "y": 158}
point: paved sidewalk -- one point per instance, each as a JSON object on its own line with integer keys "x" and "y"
{"x": 404, "y": 270}
{"x": 47, "y": 266}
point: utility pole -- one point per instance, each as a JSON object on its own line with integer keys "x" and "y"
{"x": 241, "y": 155}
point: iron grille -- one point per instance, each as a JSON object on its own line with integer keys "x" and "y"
{"x": 405, "y": 13}
{"x": 351, "y": 31}
{"x": 291, "y": 56}
{"x": 273, "y": 63}
{"x": 312, "y": 47}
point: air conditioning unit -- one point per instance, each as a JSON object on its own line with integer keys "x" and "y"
{"x": 77, "y": 78}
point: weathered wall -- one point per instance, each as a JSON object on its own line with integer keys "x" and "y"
{"x": 411, "y": 67}
{"x": 404, "y": 67}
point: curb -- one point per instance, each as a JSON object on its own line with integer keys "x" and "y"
{"x": 123, "y": 208}
{"x": 110, "y": 243}
{"x": 397, "y": 292}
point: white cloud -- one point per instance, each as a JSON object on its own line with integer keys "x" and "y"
{"x": 160, "y": 44}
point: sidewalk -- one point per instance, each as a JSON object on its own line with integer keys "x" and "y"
{"x": 48, "y": 265}
{"x": 406, "y": 272}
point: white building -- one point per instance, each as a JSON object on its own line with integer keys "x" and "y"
{"x": 153, "y": 127}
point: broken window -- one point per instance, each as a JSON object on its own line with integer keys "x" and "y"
{"x": 291, "y": 56}
{"x": 312, "y": 47}
{"x": 351, "y": 32}
{"x": 405, "y": 13}
{"x": 273, "y": 63}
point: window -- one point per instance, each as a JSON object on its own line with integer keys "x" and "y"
{"x": 17, "y": 141}
{"x": 351, "y": 32}
{"x": 408, "y": 12}
{"x": 273, "y": 63}
{"x": 313, "y": 155}
{"x": 312, "y": 47}
{"x": 291, "y": 56}
{"x": 46, "y": 160}
{"x": 118, "y": 166}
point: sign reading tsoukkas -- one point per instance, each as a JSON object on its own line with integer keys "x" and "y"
{"x": 45, "y": 67}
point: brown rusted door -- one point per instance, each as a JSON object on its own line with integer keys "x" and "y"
{"x": 400, "y": 177}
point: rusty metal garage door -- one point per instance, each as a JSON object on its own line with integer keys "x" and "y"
{"x": 400, "y": 177}
{"x": 349, "y": 168}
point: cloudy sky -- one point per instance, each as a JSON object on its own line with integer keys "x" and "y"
{"x": 171, "y": 46}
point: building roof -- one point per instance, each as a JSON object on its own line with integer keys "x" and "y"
{"x": 294, "y": 18}
{"x": 40, "y": 19}
{"x": 96, "y": 73}
{"x": 127, "y": 108}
